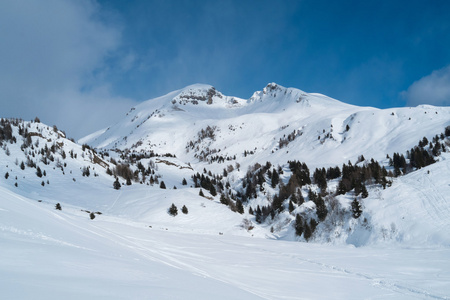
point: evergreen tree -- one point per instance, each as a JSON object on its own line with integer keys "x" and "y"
{"x": 307, "y": 232}
{"x": 117, "y": 184}
{"x": 92, "y": 216}
{"x": 184, "y": 210}
{"x": 277, "y": 204}
{"x": 128, "y": 181}
{"x": 173, "y": 210}
{"x": 224, "y": 200}
{"x": 38, "y": 172}
{"x": 201, "y": 193}
{"x": 341, "y": 190}
{"x": 356, "y": 209}
{"x": 250, "y": 211}
{"x": 22, "y": 165}
{"x": 212, "y": 191}
{"x": 291, "y": 206}
{"x": 6, "y": 175}
{"x": 86, "y": 171}
{"x": 258, "y": 214}
{"x": 58, "y": 206}
{"x": 312, "y": 225}
{"x": 275, "y": 178}
{"x": 320, "y": 178}
{"x": 321, "y": 209}
{"x": 184, "y": 182}
{"x": 162, "y": 185}
{"x": 299, "y": 225}
{"x": 239, "y": 207}
{"x": 364, "y": 192}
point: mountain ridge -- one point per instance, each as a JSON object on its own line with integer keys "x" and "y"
{"x": 315, "y": 122}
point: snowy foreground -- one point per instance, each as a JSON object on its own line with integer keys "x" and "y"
{"x": 50, "y": 254}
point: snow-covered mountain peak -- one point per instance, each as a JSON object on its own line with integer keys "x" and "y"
{"x": 285, "y": 97}
{"x": 274, "y": 91}
{"x": 198, "y": 93}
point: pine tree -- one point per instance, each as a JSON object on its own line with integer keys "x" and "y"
{"x": 22, "y": 165}
{"x": 312, "y": 225}
{"x": 277, "y": 204}
{"x": 275, "y": 178}
{"x": 291, "y": 206}
{"x": 162, "y": 185}
{"x": 239, "y": 207}
{"x": 58, "y": 206}
{"x": 307, "y": 233}
{"x": 201, "y": 193}
{"x": 6, "y": 175}
{"x": 299, "y": 225}
{"x": 356, "y": 209}
{"x": 212, "y": 191}
{"x": 92, "y": 216}
{"x": 184, "y": 182}
{"x": 38, "y": 172}
{"x": 128, "y": 181}
{"x": 184, "y": 210}
{"x": 258, "y": 214}
{"x": 341, "y": 190}
{"x": 321, "y": 209}
{"x": 173, "y": 210}
{"x": 224, "y": 200}
{"x": 364, "y": 192}
{"x": 116, "y": 184}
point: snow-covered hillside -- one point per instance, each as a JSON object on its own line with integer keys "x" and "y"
{"x": 52, "y": 254}
{"x": 220, "y": 134}
{"x": 198, "y": 195}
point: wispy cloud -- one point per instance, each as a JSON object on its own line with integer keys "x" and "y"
{"x": 432, "y": 89}
{"x": 51, "y": 56}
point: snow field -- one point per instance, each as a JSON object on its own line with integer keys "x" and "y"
{"x": 49, "y": 254}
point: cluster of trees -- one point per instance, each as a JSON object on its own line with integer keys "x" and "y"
{"x": 304, "y": 227}
{"x": 285, "y": 140}
{"x": 6, "y": 132}
{"x": 233, "y": 203}
{"x": 355, "y": 177}
{"x": 204, "y": 181}
{"x": 173, "y": 210}
{"x": 419, "y": 156}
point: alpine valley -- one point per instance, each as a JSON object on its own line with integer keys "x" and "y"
{"x": 198, "y": 195}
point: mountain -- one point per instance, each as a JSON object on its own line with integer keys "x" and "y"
{"x": 280, "y": 188}
{"x": 276, "y": 124}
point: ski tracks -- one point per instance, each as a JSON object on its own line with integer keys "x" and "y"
{"x": 376, "y": 280}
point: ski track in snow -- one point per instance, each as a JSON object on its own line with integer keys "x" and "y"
{"x": 375, "y": 280}
{"x": 154, "y": 255}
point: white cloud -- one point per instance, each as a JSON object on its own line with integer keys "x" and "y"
{"x": 51, "y": 51}
{"x": 433, "y": 89}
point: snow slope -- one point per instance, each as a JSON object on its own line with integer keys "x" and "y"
{"x": 50, "y": 254}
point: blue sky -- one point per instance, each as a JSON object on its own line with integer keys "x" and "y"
{"x": 82, "y": 64}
